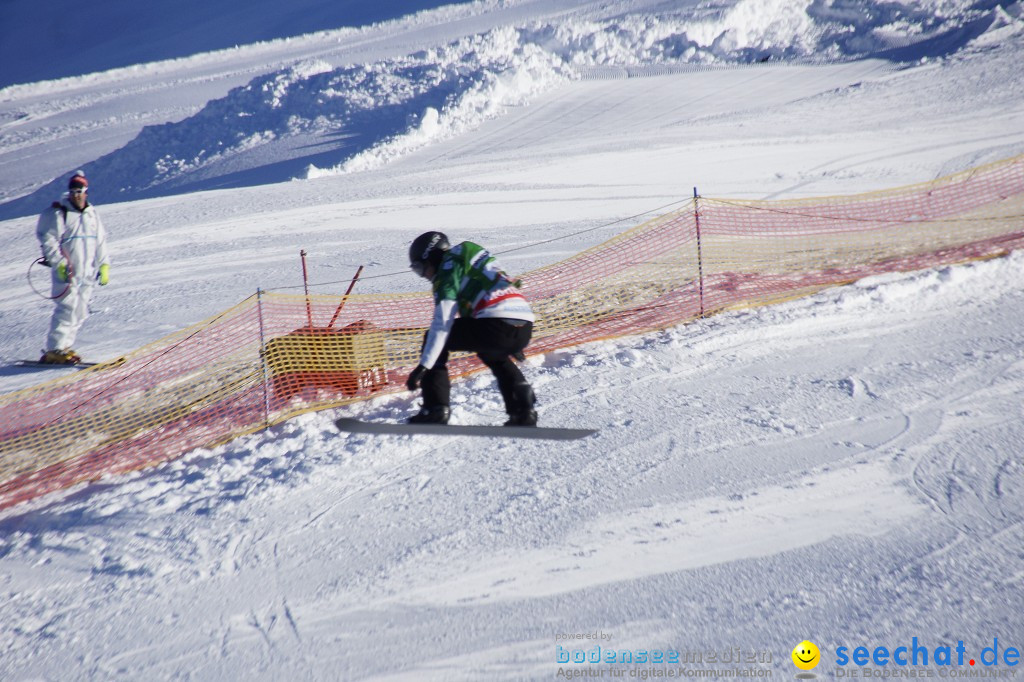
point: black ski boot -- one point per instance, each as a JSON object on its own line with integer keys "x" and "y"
{"x": 438, "y": 414}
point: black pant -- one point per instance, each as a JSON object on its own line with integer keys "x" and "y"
{"x": 493, "y": 340}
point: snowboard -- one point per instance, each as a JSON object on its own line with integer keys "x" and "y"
{"x": 490, "y": 431}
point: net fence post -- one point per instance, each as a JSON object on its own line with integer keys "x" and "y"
{"x": 263, "y": 359}
{"x": 305, "y": 287}
{"x": 700, "y": 253}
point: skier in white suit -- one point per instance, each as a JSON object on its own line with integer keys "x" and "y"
{"x": 74, "y": 245}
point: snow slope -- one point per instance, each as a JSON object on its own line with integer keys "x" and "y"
{"x": 845, "y": 469}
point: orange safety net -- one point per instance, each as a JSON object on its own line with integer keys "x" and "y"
{"x": 275, "y": 356}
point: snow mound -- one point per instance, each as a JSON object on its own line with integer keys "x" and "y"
{"x": 762, "y": 30}
{"x": 364, "y": 114}
{"x": 467, "y": 83}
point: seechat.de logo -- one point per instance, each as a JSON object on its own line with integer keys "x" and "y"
{"x": 918, "y": 654}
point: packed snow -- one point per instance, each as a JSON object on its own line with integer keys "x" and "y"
{"x": 844, "y": 468}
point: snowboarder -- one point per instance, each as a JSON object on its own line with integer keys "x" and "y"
{"x": 494, "y": 321}
{"x": 74, "y": 245}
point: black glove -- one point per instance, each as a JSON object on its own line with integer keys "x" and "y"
{"x": 413, "y": 382}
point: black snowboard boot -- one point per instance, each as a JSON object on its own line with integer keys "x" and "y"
{"x": 520, "y": 406}
{"x": 522, "y": 418}
{"x": 431, "y": 415}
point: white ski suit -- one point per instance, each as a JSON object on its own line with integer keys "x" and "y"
{"x": 77, "y": 239}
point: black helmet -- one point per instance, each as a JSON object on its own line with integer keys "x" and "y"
{"x": 429, "y": 247}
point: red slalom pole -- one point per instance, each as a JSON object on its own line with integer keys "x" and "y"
{"x": 345, "y": 297}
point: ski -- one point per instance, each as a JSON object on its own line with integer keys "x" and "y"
{"x": 117, "y": 362}
{"x": 51, "y": 365}
{"x": 491, "y": 431}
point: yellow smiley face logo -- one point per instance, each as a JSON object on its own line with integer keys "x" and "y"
{"x": 806, "y": 655}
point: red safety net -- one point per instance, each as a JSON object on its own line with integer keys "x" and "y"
{"x": 274, "y": 356}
